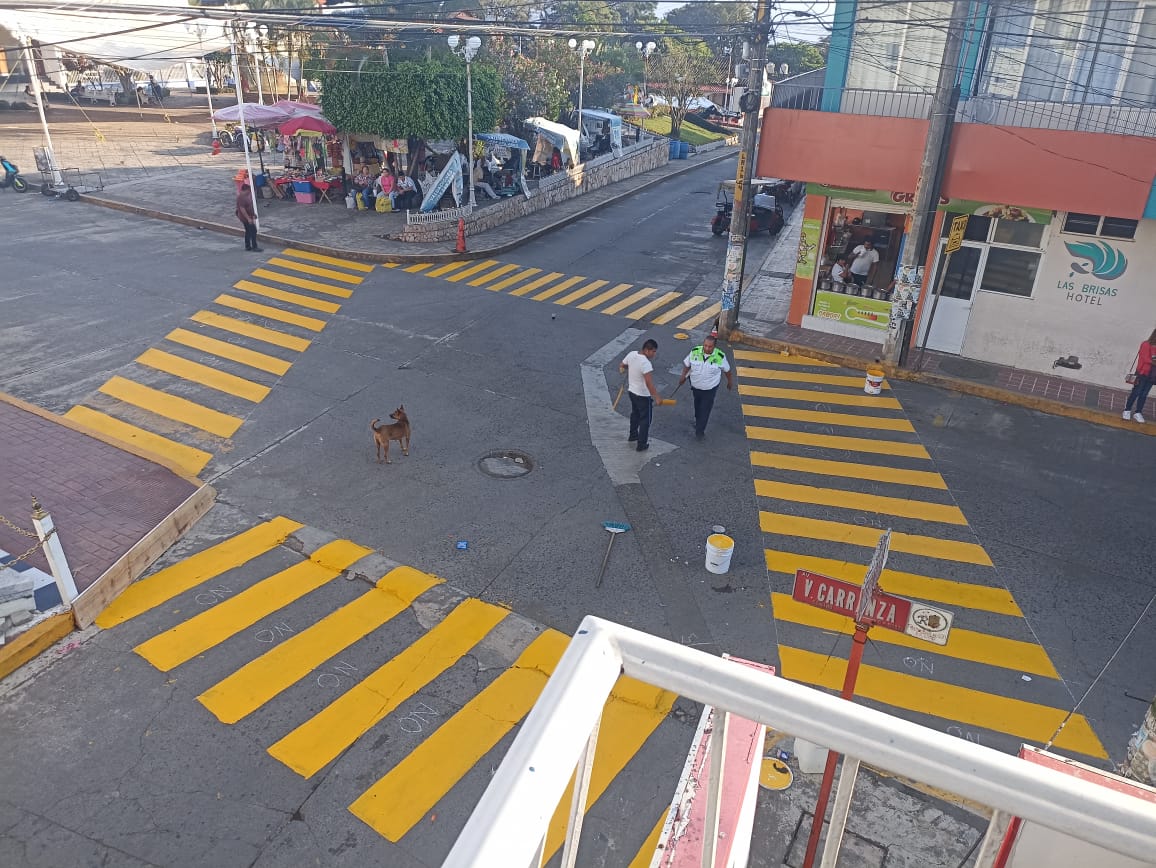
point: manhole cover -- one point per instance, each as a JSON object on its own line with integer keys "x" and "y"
{"x": 505, "y": 464}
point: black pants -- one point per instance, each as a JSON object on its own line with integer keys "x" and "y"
{"x": 250, "y": 234}
{"x": 641, "y": 409}
{"x": 703, "y": 403}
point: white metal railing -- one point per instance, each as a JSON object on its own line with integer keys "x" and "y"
{"x": 449, "y": 215}
{"x": 557, "y": 741}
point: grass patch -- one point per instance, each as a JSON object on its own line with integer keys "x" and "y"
{"x": 689, "y": 133}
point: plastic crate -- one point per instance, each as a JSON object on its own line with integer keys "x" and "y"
{"x": 305, "y": 198}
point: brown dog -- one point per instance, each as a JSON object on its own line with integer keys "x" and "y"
{"x": 398, "y": 431}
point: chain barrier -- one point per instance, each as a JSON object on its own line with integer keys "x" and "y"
{"x": 17, "y": 528}
{"x": 30, "y": 535}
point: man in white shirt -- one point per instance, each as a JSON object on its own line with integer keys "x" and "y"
{"x": 705, "y": 365}
{"x": 640, "y": 385}
{"x": 839, "y": 270}
{"x": 864, "y": 258}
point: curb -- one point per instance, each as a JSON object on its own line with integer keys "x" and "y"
{"x": 363, "y": 256}
{"x": 954, "y": 384}
{"x": 33, "y": 642}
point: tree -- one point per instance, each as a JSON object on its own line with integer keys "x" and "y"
{"x": 798, "y": 56}
{"x": 680, "y": 69}
{"x": 718, "y": 24}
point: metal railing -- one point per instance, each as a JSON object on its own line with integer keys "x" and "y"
{"x": 558, "y": 739}
{"x": 449, "y": 215}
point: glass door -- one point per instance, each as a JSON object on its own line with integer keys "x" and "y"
{"x": 949, "y": 323}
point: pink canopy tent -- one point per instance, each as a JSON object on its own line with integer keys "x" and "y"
{"x": 297, "y": 109}
{"x": 257, "y": 116}
{"x": 308, "y": 124}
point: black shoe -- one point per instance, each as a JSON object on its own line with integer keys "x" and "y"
{"x": 631, "y": 438}
{"x": 642, "y": 447}
{"x": 247, "y": 249}
{"x": 256, "y": 249}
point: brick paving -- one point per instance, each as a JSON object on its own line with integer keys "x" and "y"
{"x": 102, "y": 499}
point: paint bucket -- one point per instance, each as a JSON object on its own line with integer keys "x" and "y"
{"x": 719, "y": 548}
{"x": 873, "y": 385}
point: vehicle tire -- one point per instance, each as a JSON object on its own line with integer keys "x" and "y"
{"x": 225, "y": 138}
{"x": 19, "y": 184}
{"x": 719, "y": 225}
{"x": 45, "y": 189}
{"x": 71, "y": 195}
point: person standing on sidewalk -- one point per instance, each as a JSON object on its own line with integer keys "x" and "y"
{"x": 705, "y": 365}
{"x": 638, "y": 366}
{"x": 248, "y": 217}
{"x": 1145, "y": 376}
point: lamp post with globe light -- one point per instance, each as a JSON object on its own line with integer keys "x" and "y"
{"x": 645, "y": 49}
{"x": 467, "y": 49}
{"x": 583, "y": 48}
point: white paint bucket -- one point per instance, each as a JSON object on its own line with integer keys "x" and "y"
{"x": 719, "y": 548}
{"x": 873, "y": 385}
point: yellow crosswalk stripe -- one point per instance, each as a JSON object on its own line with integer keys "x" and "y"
{"x": 679, "y": 309}
{"x": 848, "y": 469}
{"x": 399, "y": 800}
{"x": 526, "y": 289}
{"x": 624, "y": 303}
{"x": 778, "y": 358}
{"x": 493, "y": 274}
{"x": 327, "y": 273}
{"x": 472, "y": 270}
{"x": 164, "y": 585}
{"x": 835, "y": 441}
{"x": 172, "y": 407}
{"x": 815, "y": 396}
{"x": 645, "y": 854}
{"x": 557, "y": 288}
{"x": 303, "y": 283}
{"x": 249, "y": 330}
{"x": 603, "y": 297}
{"x": 1025, "y": 720}
{"x": 213, "y": 626}
{"x": 328, "y": 260}
{"x": 322, "y": 738}
{"x": 232, "y": 352}
{"x": 822, "y": 417}
{"x": 447, "y": 269}
{"x": 699, "y": 318}
{"x": 853, "y": 534}
{"x": 419, "y": 268}
{"x": 290, "y": 297}
{"x": 951, "y": 593}
{"x": 961, "y": 644}
{"x": 390, "y": 264}
{"x": 801, "y": 377}
{"x": 257, "y": 682}
{"x": 650, "y": 306}
{"x": 581, "y": 292}
{"x": 900, "y": 506}
{"x": 195, "y": 372}
{"x": 269, "y": 312}
{"x": 633, "y": 711}
{"x": 187, "y": 459}
{"x": 510, "y": 281}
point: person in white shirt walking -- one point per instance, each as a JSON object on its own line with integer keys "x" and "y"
{"x": 705, "y": 365}
{"x": 638, "y": 366}
{"x": 864, "y": 258}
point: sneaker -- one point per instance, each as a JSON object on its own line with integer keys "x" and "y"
{"x": 256, "y": 249}
{"x": 642, "y": 447}
{"x": 1127, "y": 415}
{"x": 1138, "y": 417}
{"x": 632, "y": 438}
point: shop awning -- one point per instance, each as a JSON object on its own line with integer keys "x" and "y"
{"x": 503, "y": 140}
{"x": 561, "y": 137}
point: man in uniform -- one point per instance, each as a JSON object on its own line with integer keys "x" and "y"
{"x": 705, "y": 365}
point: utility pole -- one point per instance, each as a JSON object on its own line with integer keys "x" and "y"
{"x": 909, "y": 279}
{"x": 741, "y": 208}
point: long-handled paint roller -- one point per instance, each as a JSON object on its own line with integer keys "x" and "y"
{"x": 614, "y": 528}
{"x": 670, "y": 402}
{"x": 618, "y": 397}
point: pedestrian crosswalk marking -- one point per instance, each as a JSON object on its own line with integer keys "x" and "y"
{"x": 815, "y": 396}
{"x": 645, "y": 855}
{"x": 624, "y": 303}
{"x": 172, "y": 407}
{"x": 201, "y": 632}
{"x": 187, "y": 459}
{"x": 232, "y": 352}
{"x": 327, "y": 273}
{"x": 822, "y": 417}
{"x": 950, "y": 593}
{"x": 679, "y": 309}
{"x": 837, "y": 441}
{"x": 857, "y": 535}
{"x": 1025, "y": 720}
{"x": 446, "y": 269}
{"x": 288, "y": 297}
{"x": 396, "y": 803}
{"x": 257, "y": 682}
{"x": 195, "y": 372}
{"x": 801, "y": 377}
{"x": 328, "y": 260}
{"x": 581, "y": 292}
{"x": 603, "y": 297}
{"x": 848, "y": 469}
{"x": 419, "y": 268}
{"x": 661, "y": 301}
{"x": 836, "y": 497}
{"x": 472, "y": 270}
{"x": 492, "y": 274}
{"x": 510, "y": 281}
{"x": 701, "y": 317}
{"x": 165, "y": 584}
{"x": 322, "y": 738}
{"x": 527, "y": 288}
{"x": 558, "y": 288}
{"x": 249, "y": 330}
{"x": 303, "y": 283}
{"x": 779, "y": 359}
{"x": 269, "y": 312}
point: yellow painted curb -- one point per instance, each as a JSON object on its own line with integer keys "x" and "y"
{"x": 33, "y": 641}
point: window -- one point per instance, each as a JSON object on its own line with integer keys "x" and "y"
{"x": 1005, "y": 253}
{"x": 1010, "y": 271}
{"x": 1094, "y": 224}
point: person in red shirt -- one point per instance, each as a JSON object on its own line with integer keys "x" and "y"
{"x": 1145, "y": 376}
{"x": 248, "y": 217}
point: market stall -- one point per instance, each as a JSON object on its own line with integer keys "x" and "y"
{"x": 551, "y": 136}
{"x": 603, "y": 131}
{"x": 505, "y": 161}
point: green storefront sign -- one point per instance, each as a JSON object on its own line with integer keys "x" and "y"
{"x": 871, "y": 312}
{"x": 956, "y": 206}
{"x": 808, "y": 248}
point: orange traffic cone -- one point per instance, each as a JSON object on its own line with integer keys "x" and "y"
{"x": 216, "y": 147}
{"x": 461, "y": 248}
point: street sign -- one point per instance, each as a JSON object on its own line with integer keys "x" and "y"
{"x": 871, "y": 580}
{"x": 886, "y": 610}
{"x": 928, "y": 623}
{"x": 955, "y": 236}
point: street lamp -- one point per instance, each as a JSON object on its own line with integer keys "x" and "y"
{"x": 645, "y": 49}
{"x": 466, "y": 49}
{"x": 583, "y": 48}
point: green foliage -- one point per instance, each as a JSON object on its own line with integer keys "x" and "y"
{"x": 799, "y": 56}
{"x": 423, "y": 99}
{"x": 719, "y": 24}
{"x": 688, "y": 132}
{"x": 679, "y": 71}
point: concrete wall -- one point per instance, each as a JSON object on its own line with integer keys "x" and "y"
{"x": 1069, "y": 313}
{"x": 589, "y": 176}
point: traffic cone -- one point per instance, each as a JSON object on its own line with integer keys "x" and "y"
{"x": 216, "y": 147}
{"x": 461, "y": 248}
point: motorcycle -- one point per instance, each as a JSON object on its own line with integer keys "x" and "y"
{"x": 12, "y": 176}
{"x": 769, "y": 219}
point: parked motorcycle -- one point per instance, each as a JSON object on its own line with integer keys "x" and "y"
{"x": 12, "y": 176}
{"x": 762, "y": 219}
